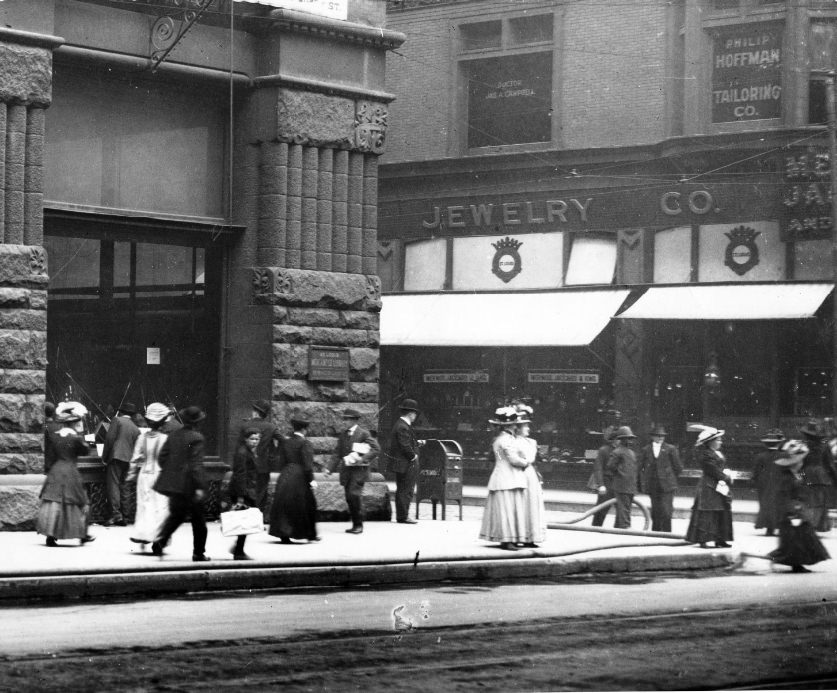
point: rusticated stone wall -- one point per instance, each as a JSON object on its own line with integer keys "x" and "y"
{"x": 324, "y": 309}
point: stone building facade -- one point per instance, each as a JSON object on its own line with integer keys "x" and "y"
{"x": 198, "y": 210}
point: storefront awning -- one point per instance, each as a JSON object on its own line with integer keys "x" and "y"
{"x": 557, "y": 318}
{"x": 729, "y": 302}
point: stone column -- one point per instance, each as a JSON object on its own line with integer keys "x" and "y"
{"x": 25, "y": 91}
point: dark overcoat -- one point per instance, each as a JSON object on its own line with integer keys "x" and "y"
{"x": 403, "y": 447}
{"x": 345, "y": 441}
{"x": 63, "y": 483}
{"x": 623, "y": 466}
{"x": 660, "y": 472}
{"x": 712, "y": 466}
{"x": 181, "y": 464}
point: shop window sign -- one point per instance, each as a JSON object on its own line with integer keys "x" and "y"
{"x": 806, "y": 194}
{"x": 747, "y": 73}
{"x": 564, "y": 377}
{"x": 456, "y": 377}
{"x": 510, "y": 100}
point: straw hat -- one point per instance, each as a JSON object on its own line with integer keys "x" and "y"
{"x": 773, "y": 437}
{"x": 68, "y": 412}
{"x": 705, "y": 433}
{"x": 524, "y": 413}
{"x": 504, "y": 416}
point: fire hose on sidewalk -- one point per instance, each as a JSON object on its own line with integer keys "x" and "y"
{"x": 644, "y": 532}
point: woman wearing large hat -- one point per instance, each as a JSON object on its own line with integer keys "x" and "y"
{"x": 712, "y": 510}
{"x": 798, "y": 542}
{"x": 766, "y": 477}
{"x": 504, "y": 519}
{"x": 63, "y": 513}
{"x": 820, "y": 474}
{"x": 533, "y": 495}
{"x": 152, "y": 507}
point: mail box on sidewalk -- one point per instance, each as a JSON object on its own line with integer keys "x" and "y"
{"x": 440, "y": 474}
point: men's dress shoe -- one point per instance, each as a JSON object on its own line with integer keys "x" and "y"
{"x": 86, "y": 539}
{"x": 314, "y": 539}
{"x": 157, "y": 548}
{"x": 355, "y": 530}
{"x": 703, "y": 546}
{"x": 799, "y": 569}
{"x": 199, "y": 557}
{"x": 529, "y": 545}
{"x": 722, "y": 545}
{"x": 285, "y": 540}
{"x": 115, "y": 522}
{"x": 408, "y": 521}
{"x": 241, "y": 557}
{"x": 50, "y": 541}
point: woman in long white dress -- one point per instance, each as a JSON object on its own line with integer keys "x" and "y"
{"x": 152, "y": 507}
{"x": 533, "y": 494}
{"x": 504, "y": 519}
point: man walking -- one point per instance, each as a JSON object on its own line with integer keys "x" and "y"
{"x": 623, "y": 467}
{"x": 183, "y": 480}
{"x": 601, "y": 478}
{"x": 659, "y": 467}
{"x": 357, "y": 450}
{"x": 116, "y": 454}
{"x": 402, "y": 459}
{"x": 268, "y": 450}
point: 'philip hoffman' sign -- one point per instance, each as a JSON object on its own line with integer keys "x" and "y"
{"x": 747, "y": 73}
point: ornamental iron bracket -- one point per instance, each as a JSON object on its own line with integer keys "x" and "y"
{"x": 167, "y": 31}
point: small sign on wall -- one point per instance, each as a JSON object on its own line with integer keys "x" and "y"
{"x": 328, "y": 363}
{"x": 152, "y": 356}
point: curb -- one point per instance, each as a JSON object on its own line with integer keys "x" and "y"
{"x": 180, "y": 581}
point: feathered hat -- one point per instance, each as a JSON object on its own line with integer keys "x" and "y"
{"x": 705, "y": 433}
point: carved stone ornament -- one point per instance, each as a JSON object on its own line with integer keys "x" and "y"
{"x": 37, "y": 261}
{"x": 370, "y": 126}
{"x": 271, "y": 280}
{"x": 373, "y": 288}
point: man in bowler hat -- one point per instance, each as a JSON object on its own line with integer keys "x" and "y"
{"x": 116, "y": 454}
{"x": 601, "y": 478}
{"x": 623, "y": 468}
{"x": 183, "y": 480}
{"x": 354, "y": 464}
{"x": 659, "y": 467}
{"x": 267, "y": 451}
{"x": 402, "y": 460}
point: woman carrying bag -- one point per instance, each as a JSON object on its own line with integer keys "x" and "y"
{"x": 243, "y": 486}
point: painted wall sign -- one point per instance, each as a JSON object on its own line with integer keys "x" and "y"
{"x": 747, "y": 73}
{"x": 456, "y": 377}
{"x": 806, "y": 195}
{"x": 570, "y": 377}
{"x": 328, "y": 363}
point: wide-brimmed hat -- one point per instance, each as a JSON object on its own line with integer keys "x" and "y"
{"x": 659, "y": 430}
{"x": 351, "y": 414}
{"x": 524, "y": 413}
{"x": 792, "y": 451}
{"x": 813, "y": 429}
{"x": 192, "y": 415}
{"x": 773, "y": 436}
{"x": 127, "y": 408}
{"x": 69, "y": 412}
{"x": 609, "y": 433}
{"x": 706, "y": 433}
{"x": 408, "y": 405}
{"x": 262, "y": 406}
{"x": 156, "y": 411}
{"x": 624, "y": 432}
{"x": 504, "y": 416}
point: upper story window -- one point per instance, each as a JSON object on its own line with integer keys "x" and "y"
{"x": 822, "y": 56}
{"x": 507, "y": 67}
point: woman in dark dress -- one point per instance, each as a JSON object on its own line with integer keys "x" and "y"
{"x": 712, "y": 510}
{"x": 798, "y": 542}
{"x": 766, "y": 477}
{"x": 243, "y": 485}
{"x": 294, "y": 510}
{"x": 64, "y": 505}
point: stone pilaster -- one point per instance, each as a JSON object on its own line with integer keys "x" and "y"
{"x": 25, "y": 91}
{"x": 629, "y": 382}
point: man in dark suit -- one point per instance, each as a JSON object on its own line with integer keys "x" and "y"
{"x": 268, "y": 450}
{"x": 116, "y": 454}
{"x": 659, "y": 467}
{"x": 402, "y": 460}
{"x": 623, "y": 469}
{"x": 183, "y": 480}
{"x": 354, "y": 464}
{"x": 601, "y": 478}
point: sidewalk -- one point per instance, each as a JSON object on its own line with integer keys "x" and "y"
{"x": 386, "y": 553}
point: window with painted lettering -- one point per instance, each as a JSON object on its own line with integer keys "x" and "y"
{"x": 506, "y": 69}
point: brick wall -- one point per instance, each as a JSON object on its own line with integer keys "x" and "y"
{"x": 610, "y": 82}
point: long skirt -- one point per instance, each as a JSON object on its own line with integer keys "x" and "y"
{"x": 535, "y": 511}
{"x": 62, "y": 520}
{"x": 709, "y": 525}
{"x": 293, "y": 514}
{"x": 152, "y": 509}
{"x": 798, "y": 545}
{"x": 505, "y": 517}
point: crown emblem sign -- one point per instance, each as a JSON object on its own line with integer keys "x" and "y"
{"x": 507, "y": 244}
{"x": 742, "y": 253}
{"x": 507, "y": 263}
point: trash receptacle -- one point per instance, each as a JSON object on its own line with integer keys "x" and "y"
{"x": 440, "y": 474}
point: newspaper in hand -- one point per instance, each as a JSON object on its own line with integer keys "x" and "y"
{"x": 355, "y": 457}
{"x": 722, "y": 488}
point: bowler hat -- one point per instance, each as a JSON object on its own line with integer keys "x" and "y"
{"x": 127, "y": 408}
{"x": 298, "y": 419}
{"x": 192, "y": 415}
{"x": 624, "y": 432}
{"x": 351, "y": 414}
{"x": 812, "y": 429}
{"x": 262, "y": 406}
{"x": 408, "y": 405}
{"x": 659, "y": 430}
